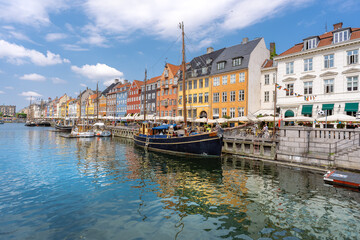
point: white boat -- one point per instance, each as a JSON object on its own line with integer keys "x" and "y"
{"x": 100, "y": 131}
{"x": 82, "y": 131}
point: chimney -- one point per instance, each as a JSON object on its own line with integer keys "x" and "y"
{"x": 116, "y": 80}
{"x": 209, "y": 50}
{"x": 272, "y": 47}
{"x": 126, "y": 81}
{"x": 338, "y": 25}
{"x": 245, "y": 40}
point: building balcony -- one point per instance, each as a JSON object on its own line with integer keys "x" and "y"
{"x": 166, "y": 86}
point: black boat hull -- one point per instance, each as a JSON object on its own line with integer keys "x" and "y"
{"x": 208, "y": 144}
{"x": 63, "y": 128}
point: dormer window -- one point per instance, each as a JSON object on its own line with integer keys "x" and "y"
{"x": 208, "y": 61}
{"x": 341, "y": 36}
{"x": 310, "y": 43}
{"x": 220, "y": 65}
{"x": 236, "y": 61}
{"x": 204, "y": 70}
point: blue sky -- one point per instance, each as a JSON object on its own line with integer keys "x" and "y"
{"x": 52, "y": 47}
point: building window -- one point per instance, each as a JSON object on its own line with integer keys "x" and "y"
{"x": 200, "y": 97}
{"x": 242, "y": 77}
{"x": 224, "y": 80}
{"x": 241, "y": 95}
{"x": 241, "y": 111}
{"x": 274, "y": 78}
{"x": 329, "y": 61}
{"x": 232, "y": 96}
{"x": 215, "y": 112}
{"x": 308, "y": 64}
{"x": 232, "y": 78}
{"x": 308, "y": 88}
{"x": 190, "y": 98}
{"x": 215, "y": 97}
{"x": 174, "y": 90}
{"x": 190, "y": 85}
{"x": 329, "y": 85}
{"x": 266, "y": 96}
{"x": 352, "y": 83}
{"x": 232, "y": 112}
{"x": 180, "y": 86}
{"x": 309, "y": 44}
{"x": 180, "y": 99}
{"x": 194, "y": 113}
{"x": 267, "y": 81}
{"x": 220, "y": 65}
{"x": 289, "y": 89}
{"x": 216, "y": 81}
{"x": 206, "y": 82}
{"x": 200, "y": 83}
{"x": 195, "y": 98}
{"x": 236, "y": 61}
{"x": 224, "y": 97}
{"x": 204, "y": 70}
{"x": 290, "y": 68}
{"x": 341, "y": 36}
{"x": 206, "y": 97}
{"x": 223, "y": 112}
{"x": 352, "y": 57}
{"x": 195, "y": 84}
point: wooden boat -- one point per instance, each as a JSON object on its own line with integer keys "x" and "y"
{"x": 202, "y": 144}
{"x": 187, "y": 143}
{"x": 341, "y": 178}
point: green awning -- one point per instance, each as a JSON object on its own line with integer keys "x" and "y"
{"x": 307, "y": 109}
{"x": 289, "y": 113}
{"x": 328, "y": 106}
{"x": 351, "y": 107}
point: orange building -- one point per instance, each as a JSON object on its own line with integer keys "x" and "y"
{"x": 167, "y": 91}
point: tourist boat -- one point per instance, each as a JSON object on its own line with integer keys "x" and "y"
{"x": 30, "y": 124}
{"x": 341, "y": 178}
{"x": 187, "y": 143}
{"x": 82, "y": 130}
{"x": 100, "y": 131}
{"x": 1, "y": 122}
{"x": 63, "y": 128}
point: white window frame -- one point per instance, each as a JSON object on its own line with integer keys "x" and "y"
{"x": 241, "y": 111}
{"x": 290, "y": 87}
{"x": 232, "y": 78}
{"x": 352, "y": 83}
{"x": 220, "y": 65}
{"x": 216, "y": 97}
{"x": 223, "y": 112}
{"x": 224, "y": 80}
{"x": 242, "y": 77}
{"x": 224, "y": 97}
{"x": 266, "y": 96}
{"x": 329, "y": 86}
{"x": 352, "y": 56}
{"x": 232, "y": 96}
{"x": 308, "y": 88}
{"x": 329, "y": 61}
{"x": 267, "y": 79}
{"x": 289, "y": 67}
{"x": 308, "y": 64}
{"x": 241, "y": 95}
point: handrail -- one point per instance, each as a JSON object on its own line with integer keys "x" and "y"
{"x": 344, "y": 143}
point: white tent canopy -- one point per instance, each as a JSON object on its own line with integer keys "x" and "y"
{"x": 299, "y": 119}
{"x": 337, "y": 117}
{"x": 268, "y": 119}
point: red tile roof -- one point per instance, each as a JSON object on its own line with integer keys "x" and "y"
{"x": 325, "y": 40}
{"x": 173, "y": 68}
{"x": 153, "y": 80}
{"x": 268, "y": 63}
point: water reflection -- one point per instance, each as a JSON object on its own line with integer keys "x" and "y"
{"x": 103, "y": 188}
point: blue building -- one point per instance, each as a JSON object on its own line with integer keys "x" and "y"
{"x": 121, "y": 99}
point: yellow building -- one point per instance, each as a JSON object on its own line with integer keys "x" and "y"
{"x": 197, "y": 86}
{"x": 235, "y": 79}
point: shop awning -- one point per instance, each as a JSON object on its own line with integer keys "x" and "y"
{"x": 351, "y": 107}
{"x": 289, "y": 113}
{"x": 306, "y": 109}
{"x": 328, "y": 106}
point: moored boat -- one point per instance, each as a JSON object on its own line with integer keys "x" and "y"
{"x": 341, "y": 178}
{"x": 100, "y": 131}
{"x": 82, "y": 131}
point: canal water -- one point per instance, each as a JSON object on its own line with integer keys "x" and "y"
{"x": 58, "y": 188}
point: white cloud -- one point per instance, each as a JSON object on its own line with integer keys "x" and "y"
{"x": 83, "y": 84}
{"x": 17, "y": 54}
{"x": 9, "y": 87}
{"x": 73, "y": 47}
{"x": 30, "y": 94}
{"x": 57, "y": 80}
{"x": 2, "y": 92}
{"x": 51, "y": 37}
{"x": 32, "y": 13}
{"x": 20, "y": 36}
{"x": 160, "y": 18}
{"x": 99, "y": 71}
{"x": 33, "y": 77}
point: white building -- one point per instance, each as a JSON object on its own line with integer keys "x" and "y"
{"x": 320, "y": 73}
{"x": 267, "y": 86}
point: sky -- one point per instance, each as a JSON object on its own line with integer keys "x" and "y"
{"x": 52, "y": 47}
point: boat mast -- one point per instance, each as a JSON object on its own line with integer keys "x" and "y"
{"x": 145, "y": 96}
{"x": 80, "y": 106}
{"x": 183, "y": 72}
{"x": 97, "y": 101}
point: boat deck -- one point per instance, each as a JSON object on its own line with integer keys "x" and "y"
{"x": 342, "y": 178}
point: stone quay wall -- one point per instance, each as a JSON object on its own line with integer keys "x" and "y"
{"x": 334, "y": 148}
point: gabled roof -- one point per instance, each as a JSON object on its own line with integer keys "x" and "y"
{"x": 268, "y": 63}
{"x": 326, "y": 39}
{"x": 242, "y": 50}
{"x": 137, "y": 83}
{"x": 127, "y": 85}
{"x": 205, "y": 60}
{"x": 153, "y": 80}
{"x": 173, "y": 68}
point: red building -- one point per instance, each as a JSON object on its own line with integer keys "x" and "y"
{"x": 133, "y": 97}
